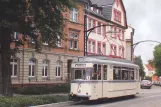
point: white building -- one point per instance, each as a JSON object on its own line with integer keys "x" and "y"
{"x": 149, "y": 70}
{"x": 129, "y": 41}
{"x": 108, "y": 41}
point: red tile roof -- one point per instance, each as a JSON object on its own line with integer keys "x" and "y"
{"x": 149, "y": 67}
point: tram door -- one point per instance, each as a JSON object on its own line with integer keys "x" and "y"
{"x": 98, "y": 77}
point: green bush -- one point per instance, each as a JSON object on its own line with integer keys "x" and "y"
{"x": 37, "y": 90}
{"x": 25, "y": 101}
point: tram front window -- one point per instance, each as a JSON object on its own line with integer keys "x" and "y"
{"x": 82, "y": 74}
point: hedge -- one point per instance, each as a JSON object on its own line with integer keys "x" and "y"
{"x": 37, "y": 90}
{"x": 26, "y": 101}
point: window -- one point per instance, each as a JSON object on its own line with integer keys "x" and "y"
{"x": 89, "y": 46}
{"x": 121, "y": 51}
{"x": 74, "y": 15}
{"x": 105, "y": 72}
{"x": 117, "y": 15}
{"x": 99, "y": 48}
{"x": 113, "y": 50}
{"x": 74, "y": 38}
{"x": 92, "y": 8}
{"x": 104, "y": 30}
{"x": 32, "y": 69}
{"x": 93, "y": 47}
{"x": 45, "y": 68}
{"x": 104, "y": 49}
{"x": 99, "y": 28}
{"x": 79, "y": 74}
{"x": 90, "y": 23}
{"x": 116, "y": 73}
{"x": 114, "y": 32}
{"x": 58, "y": 69}
{"x": 123, "y": 73}
{"x": 117, "y": 2}
{"x": 14, "y": 67}
{"x": 59, "y": 42}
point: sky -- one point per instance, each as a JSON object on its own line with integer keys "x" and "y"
{"x": 144, "y": 16}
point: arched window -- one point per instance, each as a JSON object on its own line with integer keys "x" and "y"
{"x": 32, "y": 68}
{"x": 14, "y": 67}
{"x": 58, "y": 68}
{"x": 45, "y": 68}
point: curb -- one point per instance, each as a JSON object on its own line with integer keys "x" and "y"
{"x": 60, "y": 104}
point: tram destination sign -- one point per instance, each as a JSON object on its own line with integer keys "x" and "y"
{"x": 80, "y": 65}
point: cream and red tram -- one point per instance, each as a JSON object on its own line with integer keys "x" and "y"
{"x": 98, "y": 77}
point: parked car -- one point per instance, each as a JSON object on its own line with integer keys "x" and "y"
{"x": 146, "y": 84}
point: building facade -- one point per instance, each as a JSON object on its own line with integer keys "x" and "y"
{"x": 53, "y": 66}
{"x": 149, "y": 70}
{"x": 50, "y": 66}
{"x": 108, "y": 40}
{"x": 129, "y": 43}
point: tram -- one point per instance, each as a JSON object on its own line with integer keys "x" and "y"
{"x": 96, "y": 77}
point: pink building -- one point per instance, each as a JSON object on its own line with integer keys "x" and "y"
{"x": 107, "y": 40}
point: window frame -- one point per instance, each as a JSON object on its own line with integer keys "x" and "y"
{"x": 13, "y": 67}
{"x": 104, "y": 48}
{"x": 74, "y": 39}
{"x": 58, "y": 69}
{"x": 31, "y": 65}
{"x": 74, "y": 15}
{"x": 99, "y": 49}
{"x": 113, "y": 49}
{"x": 45, "y": 65}
{"x": 121, "y": 51}
{"x": 59, "y": 42}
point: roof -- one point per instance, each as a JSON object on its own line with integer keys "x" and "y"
{"x": 149, "y": 67}
{"x": 107, "y": 8}
{"x": 103, "y": 59}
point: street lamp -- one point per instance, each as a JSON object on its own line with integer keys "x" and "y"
{"x": 87, "y": 32}
{"x": 133, "y": 46}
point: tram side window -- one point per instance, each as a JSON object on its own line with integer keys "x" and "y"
{"x": 124, "y": 75}
{"x": 132, "y": 75}
{"x": 105, "y": 72}
{"x": 99, "y": 72}
{"x": 116, "y": 74}
{"x": 94, "y": 74}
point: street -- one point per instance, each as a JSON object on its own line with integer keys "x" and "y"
{"x": 146, "y": 98}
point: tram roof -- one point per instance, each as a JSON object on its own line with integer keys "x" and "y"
{"x": 102, "y": 59}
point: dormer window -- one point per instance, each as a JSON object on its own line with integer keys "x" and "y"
{"x": 98, "y": 10}
{"x": 92, "y": 8}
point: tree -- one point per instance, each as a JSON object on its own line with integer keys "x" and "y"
{"x": 157, "y": 59}
{"x": 40, "y": 20}
{"x": 139, "y": 62}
